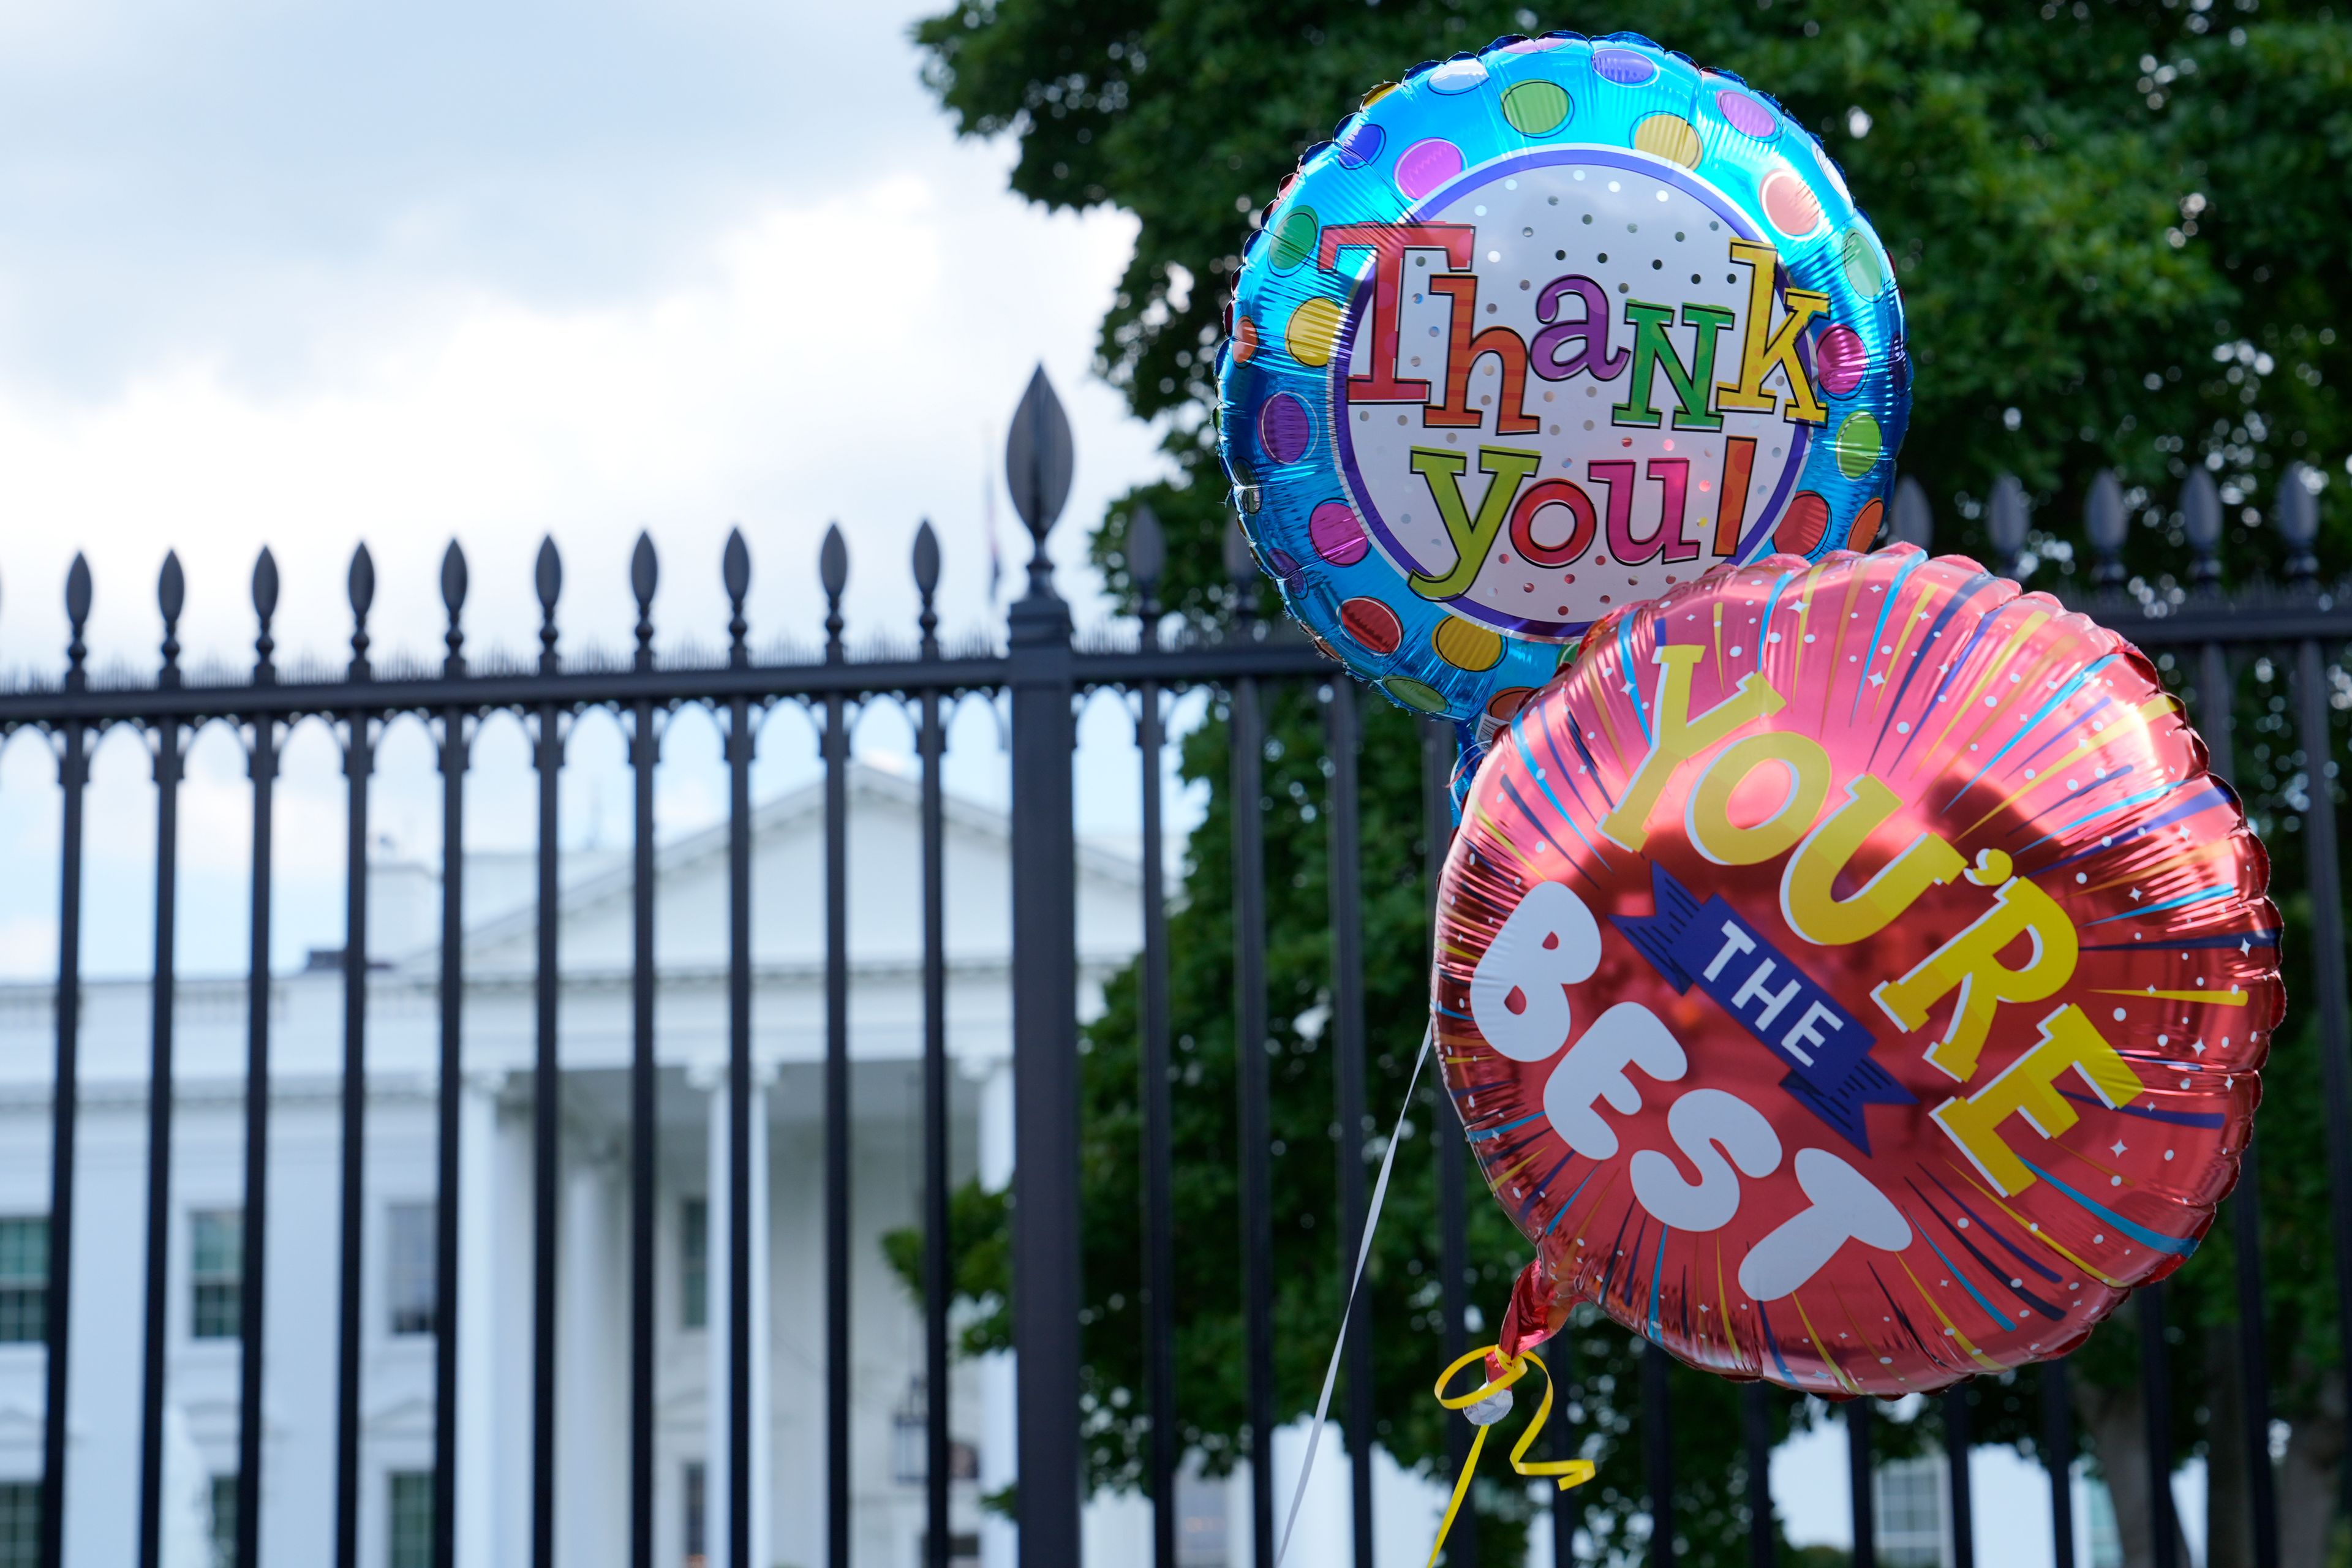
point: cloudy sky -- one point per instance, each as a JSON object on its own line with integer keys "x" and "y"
{"x": 306, "y": 275}
{"x": 301, "y": 275}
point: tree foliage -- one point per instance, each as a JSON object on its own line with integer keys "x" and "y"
{"x": 2121, "y": 228}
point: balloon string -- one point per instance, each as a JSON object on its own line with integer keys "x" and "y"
{"x": 1355, "y": 1281}
{"x": 1461, "y": 1489}
{"x": 1566, "y": 1472}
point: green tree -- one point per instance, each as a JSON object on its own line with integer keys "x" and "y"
{"x": 2119, "y": 227}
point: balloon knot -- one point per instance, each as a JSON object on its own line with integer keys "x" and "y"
{"x": 1491, "y": 1409}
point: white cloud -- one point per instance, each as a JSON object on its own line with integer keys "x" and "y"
{"x": 845, "y": 354}
{"x": 850, "y": 360}
{"x": 271, "y": 274}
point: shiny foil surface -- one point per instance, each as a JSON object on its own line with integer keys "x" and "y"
{"x": 1543, "y": 331}
{"x": 1849, "y": 975}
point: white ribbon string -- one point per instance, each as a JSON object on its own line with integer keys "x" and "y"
{"x": 1355, "y": 1283}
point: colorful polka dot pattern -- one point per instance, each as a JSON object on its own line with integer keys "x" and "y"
{"x": 1668, "y": 136}
{"x": 1537, "y": 107}
{"x": 1314, "y": 331}
{"x": 1841, "y": 359}
{"x": 1467, "y": 645}
{"x": 1791, "y": 203}
{"x": 1427, "y": 166}
{"x": 1337, "y": 533}
{"x": 1293, "y": 339}
{"x": 1283, "y": 427}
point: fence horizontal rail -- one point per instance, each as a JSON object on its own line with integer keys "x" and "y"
{"x": 1206, "y": 663}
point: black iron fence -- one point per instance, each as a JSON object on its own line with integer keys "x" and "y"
{"x": 2296, "y": 633}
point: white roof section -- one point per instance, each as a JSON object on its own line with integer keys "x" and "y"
{"x": 788, "y": 838}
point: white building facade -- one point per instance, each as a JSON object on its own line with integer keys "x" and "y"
{"x": 301, "y": 1258}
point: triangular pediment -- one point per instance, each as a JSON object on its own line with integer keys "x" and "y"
{"x": 788, "y": 878}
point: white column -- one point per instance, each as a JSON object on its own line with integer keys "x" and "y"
{"x": 592, "y": 1421}
{"x": 713, "y": 1079}
{"x": 478, "y": 1479}
{"x": 999, "y": 1541}
{"x": 187, "y": 1500}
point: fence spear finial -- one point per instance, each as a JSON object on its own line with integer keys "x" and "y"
{"x": 1915, "y": 520}
{"x": 547, "y": 577}
{"x": 833, "y": 571}
{"x": 360, "y": 585}
{"x": 927, "y": 585}
{"x": 2006, "y": 523}
{"x": 735, "y": 572}
{"x": 2298, "y": 521}
{"x": 77, "y": 591}
{"x": 2104, "y": 522}
{"x": 1146, "y": 558}
{"x": 2200, "y": 520}
{"x": 1038, "y": 461}
{"x": 171, "y": 597}
{"x": 265, "y": 608}
{"x": 453, "y": 600}
{"x": 644, "y": 574}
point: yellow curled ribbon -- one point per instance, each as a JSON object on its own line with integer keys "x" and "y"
{"x": 1566, "y": 1472}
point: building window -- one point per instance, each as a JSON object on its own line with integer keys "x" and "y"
{"x": 412, "y": 1519}
{"x": 20, "y": 1524}
{"x": 698, "y": 1518}
{"x": 408, "y": 1272}
{"x": 693, "y": 1264}
{"x": 963, "y": 1550}
{"x": 910, "y": 1436}
{"x": 2099, "y": 1509}
{"x": 1910, "y": 1495}
{"x": 24, "y": 1280}
{"x": 1199, "y": 1521}
{"x": 217, "y": 1270}
{"x": 222, "y": 1532}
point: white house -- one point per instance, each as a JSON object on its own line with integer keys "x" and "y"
{"x": 788, "y": 1041}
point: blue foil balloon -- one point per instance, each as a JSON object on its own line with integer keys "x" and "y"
{"x": 1542, "y": 332}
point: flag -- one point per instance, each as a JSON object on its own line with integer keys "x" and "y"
{"x": 988, "y": 513}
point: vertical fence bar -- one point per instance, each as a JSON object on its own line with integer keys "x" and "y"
{"x": 255, "y": 1223}
{"x": 73, "y": 775}
{"x": 1959, "y": 1439}
{"x": 359, "y": 760}
{"x": 1437, "y": 747}
{"x": 1567, "y": 1507}
{"x": 452, "y": 1077}
{"x": 1248, "y": 732}
{"x": 833, "y": 568}
{"x": 1045, "y": 1252}
{"x": 547, "y": 1084}
{"x": 347, "y": 1362}
{"x": 170, "y": 591}
{"x": 1858, "y": 1415}
{"x": 1341, "y": 731}
{"x": 1658, "y": 1453}
{"x": 938, "y": 1265}
{"x": 2217, "y": 721}
{"x": 1146, "y": 554}
{"x": 2156, "y": 1406}
{"x": 645, "y": 751}
{"x": 1756, "y": 1432}
{"x": 737, "y": 572}
{"x": 2058, "y": 1459}
{"x": 2328, "y": 972}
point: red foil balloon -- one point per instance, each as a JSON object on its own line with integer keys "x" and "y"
{"x": 1850, "y": 975}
